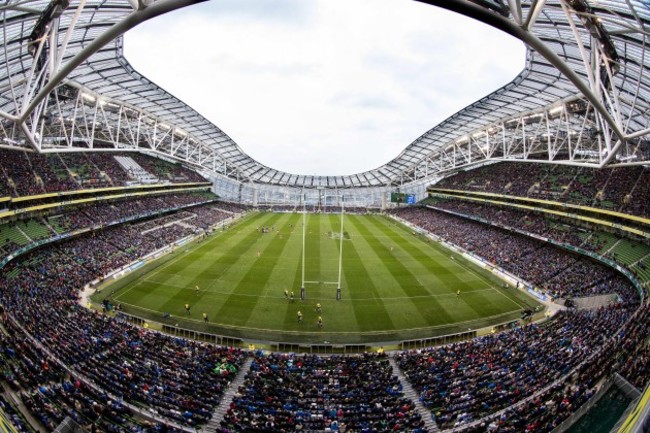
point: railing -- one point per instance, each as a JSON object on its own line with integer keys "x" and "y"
{"x": 615, "y": 380}
{"x": 68, "y": 425}
{"x": 636, "y": 418}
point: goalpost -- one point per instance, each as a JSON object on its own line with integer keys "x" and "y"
{"x": 303, "y": 292}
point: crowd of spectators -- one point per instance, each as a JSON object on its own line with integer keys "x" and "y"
{"x": 106, "y": 163}
{"x": 59, "y": 177}
{"x": 279, "y": 208}
{"x": 128, "y": 207}
{"x": 201, "y": 216}
{"x": 576, "y": 275}
{"x": 315, "y": 208}
{"x": 464, "y": 382}
{"x": 208, "y": 216}
{"x": 622, "y": 189}
{"x": 24, "y": 173}
{"x": 162, "y": 221}
{"x": 166, "y": 171}
{"x": 51, "y": 394}
{"x": 176, "y": 378}
{"x": 560, "y": 273}
{"x": 288, "y": 392}
{"x": 84, "y": 171}
{"x": 171, "y": 376}
{"x": 17, "y": 173}
{"x": 625, "y": 352}
{"x": 46, "y": 176}
{"x": 528, "y": 221}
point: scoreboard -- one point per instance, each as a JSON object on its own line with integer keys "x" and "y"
{"x": 400, "y": 197}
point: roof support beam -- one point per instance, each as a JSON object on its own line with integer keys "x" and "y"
{"x": 118, "y": 29}
{"x": 484, "y": 15}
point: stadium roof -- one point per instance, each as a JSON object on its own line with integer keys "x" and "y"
{"x": 66, "y": 85}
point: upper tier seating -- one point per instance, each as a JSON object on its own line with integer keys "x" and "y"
{"x": 26, "y": 173}
{"x": 621, "y": 189}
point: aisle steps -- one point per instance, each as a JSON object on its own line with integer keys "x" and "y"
{"x": 220, "y": 411}
{"x": 412, "y": 395}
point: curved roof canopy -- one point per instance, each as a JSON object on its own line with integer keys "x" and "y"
{"x": 583, "y": 97}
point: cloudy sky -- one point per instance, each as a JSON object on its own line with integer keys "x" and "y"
{"x": 323, "y": 86}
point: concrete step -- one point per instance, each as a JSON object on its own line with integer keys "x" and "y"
{"x": 222, "y": 408}
{"x": 411, "y": 394}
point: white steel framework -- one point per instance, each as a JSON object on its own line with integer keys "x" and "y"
{"x": 583, "y": 97}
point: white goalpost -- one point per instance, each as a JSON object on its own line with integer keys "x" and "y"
{"x": 303, "y": 291}
{"x": 304, "y": 231}
{"x": 338, "y": 286}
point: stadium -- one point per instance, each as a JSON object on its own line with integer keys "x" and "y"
{"x": 492, "y": 277}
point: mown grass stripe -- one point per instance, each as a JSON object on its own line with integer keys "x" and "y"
{"x": 236, "y": 309}
{"x": 407, "y": 281}
{"x": 211, "y": 269}
{"x": 403, "y": 312}
{"x": 428, "y": 258}
{"x": 373, "y": 313}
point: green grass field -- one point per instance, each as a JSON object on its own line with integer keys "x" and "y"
{"x": 395, "y": 285}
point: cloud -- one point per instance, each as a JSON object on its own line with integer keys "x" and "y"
{"x": 323, "y": 86}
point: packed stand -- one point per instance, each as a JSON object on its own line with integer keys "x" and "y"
{"x": 166, "y": 171}
{"x": 527, "y": 221}
{"x": 534, "y": 261}
{"x": 47, "y": 176}
{"x": 102, "y": 213}
{"x": 287, "y": 393}
{"x": 106, "y": 163}
{"x": 624, "y": 353}
{"x": 85, "y": 171}
{"x": 157, "y": 222}
{"x": 621, "y": 189}
{"x": 463, "y": 382}
{"x": 61, "y": 179}
{"x": 538, "y": 224}
{"x": 51, "y": 394}
{"x": 173, "y": 377}
{"x": 208, "y": 216}
{"x": 18, "y": 174}
{"x": 25, "y": 173}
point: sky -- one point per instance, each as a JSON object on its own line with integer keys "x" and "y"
{"x": 323, "y": 87}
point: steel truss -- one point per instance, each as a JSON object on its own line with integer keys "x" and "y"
{"x": 582, "y": 99}
{"x": 599, "y": 47}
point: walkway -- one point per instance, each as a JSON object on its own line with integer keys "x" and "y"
{"x": 220, "y": 411}
{"x": 412, "y": 395}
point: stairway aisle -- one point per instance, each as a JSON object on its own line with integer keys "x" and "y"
{"x": 411, "y": 394}
{"x": 220, "y": 411}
